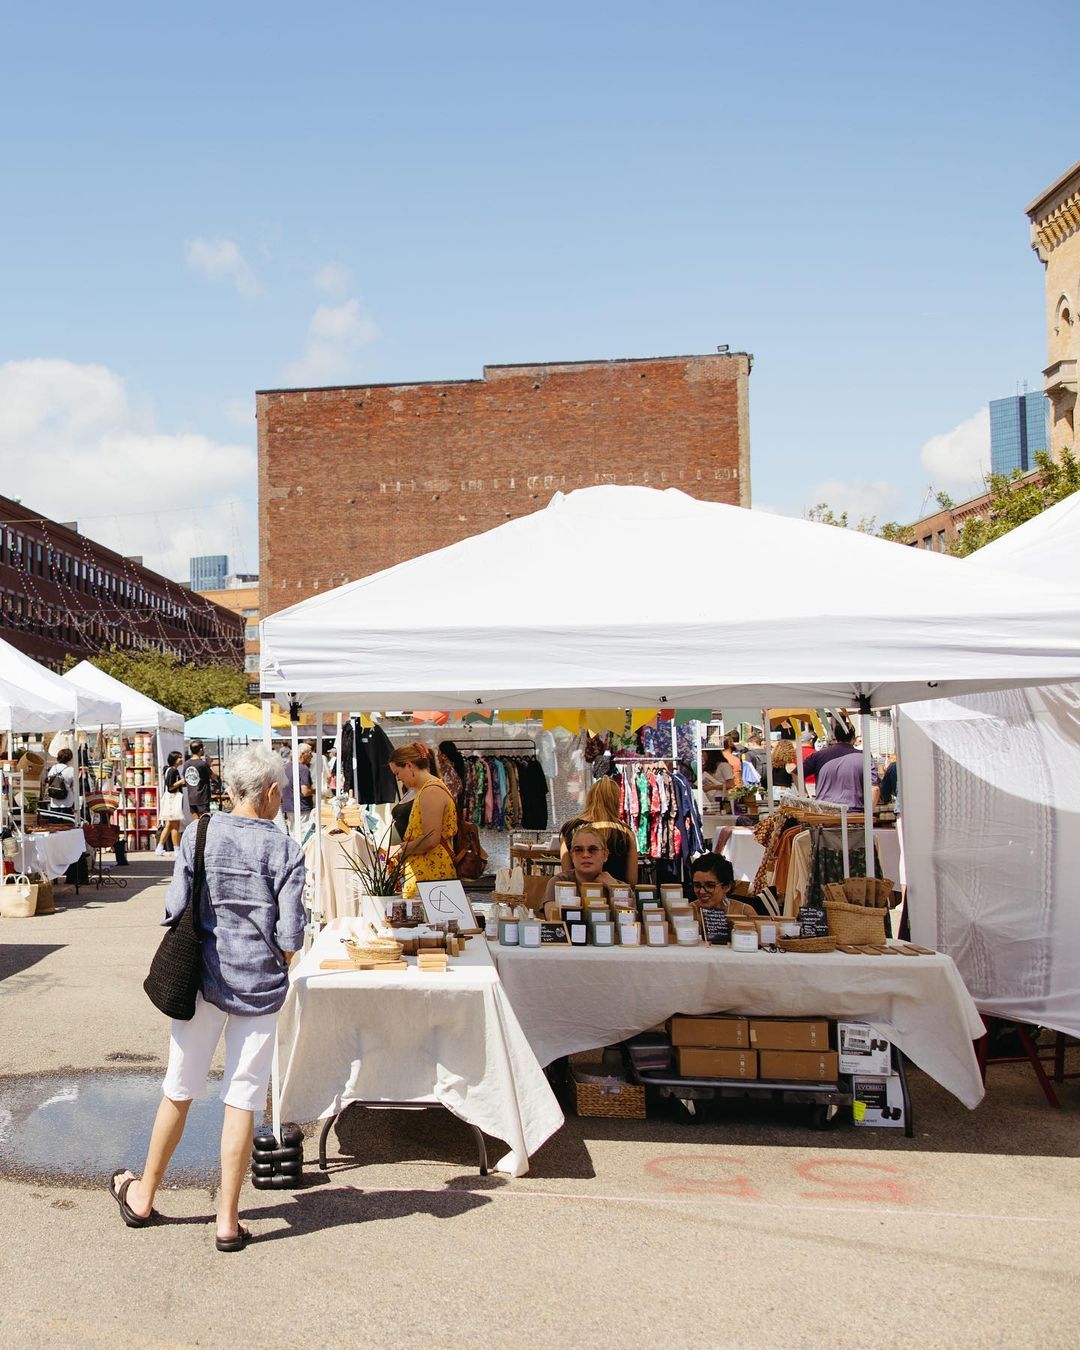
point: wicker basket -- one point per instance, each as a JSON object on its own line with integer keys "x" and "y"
{"x": 808, "y": 944}
{"x": 855, "y": 923}
{"x": 621, "y": 1101}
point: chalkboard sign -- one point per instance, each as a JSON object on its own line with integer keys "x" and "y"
{"x": 553, "y": 934}
{"x": 715, "y": 926}
{"x": 813, "y": 922}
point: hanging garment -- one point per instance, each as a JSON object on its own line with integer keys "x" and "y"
{"x": 373, "y": 782}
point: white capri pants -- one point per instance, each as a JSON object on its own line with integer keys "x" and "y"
{"x": 249, "y": 1056}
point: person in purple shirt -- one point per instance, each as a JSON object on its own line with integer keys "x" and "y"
{"x": 838, "y": 771}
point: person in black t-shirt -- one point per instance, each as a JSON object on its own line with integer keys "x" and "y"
{"x": 196, "y": 774}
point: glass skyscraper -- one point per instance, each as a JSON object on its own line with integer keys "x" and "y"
{"x": 1019, "y": 426}
{"x": 208, "y": 573}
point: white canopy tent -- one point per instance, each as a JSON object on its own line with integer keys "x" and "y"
{"x": 519, "y": 618}
{"x": 28, "y": 710}
{"x": 86, "y": 711}
{"x": 516, "y": 618}
{"x": 991, "y": 809}
{"x": 138, "y": 712}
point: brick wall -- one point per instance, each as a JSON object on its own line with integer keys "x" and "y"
{"x": 352, "y": 480}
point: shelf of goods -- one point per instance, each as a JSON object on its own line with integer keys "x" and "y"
{"x": 136, "y": 774}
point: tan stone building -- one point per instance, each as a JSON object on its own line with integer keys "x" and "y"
{"x": 1055, "y": 237}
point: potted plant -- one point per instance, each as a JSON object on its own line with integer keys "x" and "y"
{"x": 379, "y": 869}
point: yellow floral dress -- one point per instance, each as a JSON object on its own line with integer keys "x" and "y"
{"x": 435, "y": 864}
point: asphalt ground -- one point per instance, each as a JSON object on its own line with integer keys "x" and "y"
{"x": 747, "y": 1229}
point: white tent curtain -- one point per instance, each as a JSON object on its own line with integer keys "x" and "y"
{"x": 990, "y": 789}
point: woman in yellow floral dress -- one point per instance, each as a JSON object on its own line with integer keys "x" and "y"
{"x": 427, "y": 843}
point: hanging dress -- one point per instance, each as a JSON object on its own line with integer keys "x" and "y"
{"x": 436, "y": 864}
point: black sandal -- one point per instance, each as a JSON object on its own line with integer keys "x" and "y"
{"x": 132, "y": 1219}
{"x": 234, "y": 1244}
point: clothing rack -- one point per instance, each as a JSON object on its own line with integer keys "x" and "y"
{"x": 817, "y": 811}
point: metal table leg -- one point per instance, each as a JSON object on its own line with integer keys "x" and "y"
{"x": 331, "y": 1121}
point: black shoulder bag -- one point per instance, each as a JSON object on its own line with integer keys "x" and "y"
{"x": 176, "y": 970}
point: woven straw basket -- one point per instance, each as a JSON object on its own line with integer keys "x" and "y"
{"x": 855, "y": 923}
{"x": 808, "y": 944}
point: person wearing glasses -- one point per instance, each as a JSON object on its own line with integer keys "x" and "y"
{"x": 587, "y": 861}
{"x": 713, "y": 879}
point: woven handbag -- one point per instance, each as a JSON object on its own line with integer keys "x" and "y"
{"x": 176, "y": 970}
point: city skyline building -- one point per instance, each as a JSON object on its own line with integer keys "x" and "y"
{"x": 208, "y": 572}
{"x": 1019, "y": 428}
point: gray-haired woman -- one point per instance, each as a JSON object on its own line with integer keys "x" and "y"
{"x": 251, "y": 917}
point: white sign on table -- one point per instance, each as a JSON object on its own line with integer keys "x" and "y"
{"x": 445, "y": 900}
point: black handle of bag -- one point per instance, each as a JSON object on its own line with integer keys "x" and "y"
{"x": 198, "y": 876}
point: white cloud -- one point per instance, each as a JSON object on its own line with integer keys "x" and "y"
{"x": 877, "y": 499}
{"x": 959, "y": 460}
{"x": 73, "y": 446}
{"x": 334, "y": 278}
{"x": 221, "y": 260}
{"x": 334, "y": 335}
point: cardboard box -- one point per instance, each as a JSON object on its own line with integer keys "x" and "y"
{"x": 862, "y": 1050}
{"x": 881, "y": 1101}
{"x": 779, "y": 1034}
{"x": 699, "y": 1062}
{"x": 800, "y": 1065}
{"x": 725, "y": 1033}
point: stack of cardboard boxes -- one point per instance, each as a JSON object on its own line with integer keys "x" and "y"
{"x": 785, "y": 1050}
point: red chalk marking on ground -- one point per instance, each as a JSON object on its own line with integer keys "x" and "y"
{"x": 739, "y": 1185}
{"x": 881, "y": 1189}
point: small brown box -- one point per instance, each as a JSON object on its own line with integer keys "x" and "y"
{"x": 724, "y": 1033}
{"x": 700, "y": 1062}
{"x": 800, "y": 1065}
{"x": 777, "y": 1034}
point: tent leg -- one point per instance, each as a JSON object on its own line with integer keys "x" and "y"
{"x": 294, "y": 742}
{"x": 868, "y": 791}
{"x": 266, "y": 734}
{"x": 766, "y": 732}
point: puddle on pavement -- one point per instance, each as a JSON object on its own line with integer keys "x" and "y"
{"x": 78, "y": 1128}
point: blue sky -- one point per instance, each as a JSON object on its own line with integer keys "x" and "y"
{"x": 240, "y": 196}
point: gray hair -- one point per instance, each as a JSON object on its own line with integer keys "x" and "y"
{"x": 251, "y": 771}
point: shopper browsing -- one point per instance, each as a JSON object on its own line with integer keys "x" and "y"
{"x": 713, "y": 879}
{"x": 196, "y": 772}
{"x": 307, "y": 788}
{"x": 838, "y": 771}
{"x": 427, "y": 844}
{"x": 60, "y": 784}
{"x": 171, "y": 814}
{"x": 250, "y": 914}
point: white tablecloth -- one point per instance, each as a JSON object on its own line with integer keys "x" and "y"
{"x": 577, "y": 999}
{"x": 410, "y": 1037}
{"x": 745, "y": 853}
{"x": 52, "y": 854}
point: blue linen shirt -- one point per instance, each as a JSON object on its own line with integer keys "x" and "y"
{"x": 250, "y": 911}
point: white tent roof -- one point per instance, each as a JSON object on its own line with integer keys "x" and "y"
{"x": 26, "y": 710}
{"x": 1045, "y": 548}
{"x": 84, "y": 709}
{"x": 138, "y": 712}
{"x": 632, "y": 597}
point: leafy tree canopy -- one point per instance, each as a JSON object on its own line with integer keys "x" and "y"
{"x": 1016, "y": 498}
{"x": 825, "y": 515}
{"x": 188, "y": 690}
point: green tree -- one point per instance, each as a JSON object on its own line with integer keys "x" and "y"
{"x": 188, "y": 690}
{"x": 825, "y": 515}
{"x": 1016, "y": 498}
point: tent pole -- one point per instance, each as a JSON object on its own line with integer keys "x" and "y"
{"x": 337, "y": 753}
{"x": 766, "y": 733}
{"x": 699, "y": 791}
{"x": 294, "y": 742}
{"x": 355, "y": 762}
{"x": 800, "y": 776}
{"x": 317, "y": 906}
{"x": 266, "y": 732}
{"x": 867, "y": 785}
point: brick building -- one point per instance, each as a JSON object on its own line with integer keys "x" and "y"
{"x": 1055, "y": 237}
{"x": 355, "y": 479}
{"x": 62, "y": 594}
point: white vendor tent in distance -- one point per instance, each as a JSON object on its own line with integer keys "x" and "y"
{"x": 85, "y": 710}
{"x": 990, "y": 795}
{"x": 576, "y": 606}
{"x": 138, "y": 712}
{"x": 25, "y": 710}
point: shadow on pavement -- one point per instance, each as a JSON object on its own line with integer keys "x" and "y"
{"x": 315, "y": 1209}
{"x": 16, "y": 957}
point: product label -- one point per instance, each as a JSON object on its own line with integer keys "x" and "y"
{"x": 813, "y": 922}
